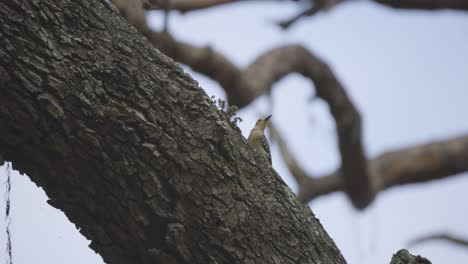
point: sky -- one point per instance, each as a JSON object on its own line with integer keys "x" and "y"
{"x": 406, "y": 71}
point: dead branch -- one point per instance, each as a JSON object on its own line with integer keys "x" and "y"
{"x": 439, "y": 236}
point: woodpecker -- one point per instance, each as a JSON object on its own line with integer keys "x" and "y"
{"x": 258, "y": 139}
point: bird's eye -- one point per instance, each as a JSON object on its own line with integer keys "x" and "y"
{"x": 259, "y": 120}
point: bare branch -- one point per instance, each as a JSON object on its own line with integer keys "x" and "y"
{"x": 324, "y": 5}
{"x": 423, "y": 162}
{"x": 306, "y": 183}
{"x": 293, "y": 166}
{"x": 426, "y": 4}
{"x": 285, "y": 24}
{"x": 439, "y": 236}
{"x": 318, "y": 5}
{"x": 193, "y": 5}
{"x": 270, "y": 67}
{"x": 185, "y": 6}
{"x": 409, "y": 165}
{"x": 414, "y": 164}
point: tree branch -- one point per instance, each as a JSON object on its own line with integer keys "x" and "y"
{"x": 277, "y": 63}
{"x": 416, "y": 164}
{"x": 440, "y": 236}
{"x": 307, "y": 184}
{"x": 317, "y": 6}
{"x": 293, "y": 166}
{"x": 285, "y": 24}
{"x": 185, "y": 6}
{"x": 426, "y": 4}
{"x": 424, "y": 162}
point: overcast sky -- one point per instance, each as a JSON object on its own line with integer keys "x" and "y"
{"x": 407, "y": 71}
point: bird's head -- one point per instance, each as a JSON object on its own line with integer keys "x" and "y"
{"x": 261, "y": 123}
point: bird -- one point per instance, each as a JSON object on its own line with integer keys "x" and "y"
{"x": 258, "y": 139}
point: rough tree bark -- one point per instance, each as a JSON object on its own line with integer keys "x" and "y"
{"x": 133, "y": 151}
{"x": 404, "y": 257}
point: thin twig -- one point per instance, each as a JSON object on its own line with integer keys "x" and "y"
{"x": 439, "y": 236}
{"x": 293, "y": 166}
{"x": 308, "y": 12}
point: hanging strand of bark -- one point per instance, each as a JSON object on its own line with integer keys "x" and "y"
{"x": 9, "y": 257}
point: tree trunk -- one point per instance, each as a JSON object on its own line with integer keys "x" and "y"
{"x": 133, "y": 151}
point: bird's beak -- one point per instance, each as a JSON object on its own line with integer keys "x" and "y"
{"x": 268, "y": 117}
